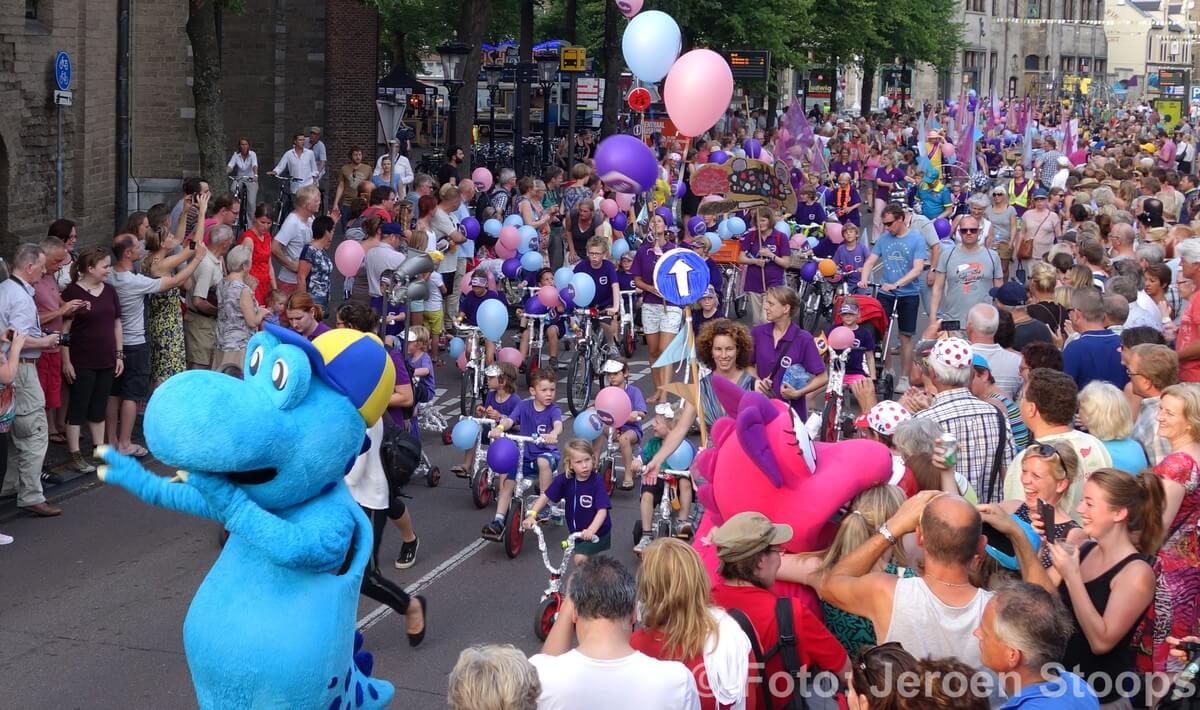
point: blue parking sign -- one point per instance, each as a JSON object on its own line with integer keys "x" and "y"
{"x": 681, "y": 276}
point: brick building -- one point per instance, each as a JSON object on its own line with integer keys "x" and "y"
{"x": 286, "y": 65}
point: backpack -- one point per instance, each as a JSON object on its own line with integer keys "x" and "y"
{"x": 400, "y": 453}
{"x": 785, "y": 646}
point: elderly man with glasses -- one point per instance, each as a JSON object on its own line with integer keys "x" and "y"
{"x": 965, "y": 274}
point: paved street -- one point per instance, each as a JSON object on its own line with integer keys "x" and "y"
{"x": 94, "y": 601}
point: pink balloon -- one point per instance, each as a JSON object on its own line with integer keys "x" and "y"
{"x": 629, "y": 8}
{"x": 948, "y": 150}
{"x": 348, "y": 257}
{"x": 482, "y": 177}
{"x": 613, "y": 406}
{"x": 548, "y": 295}
{"x": 510, "y": 355}
{"x": 504, "y": 251}
{"x": 510, "y": 237}
{"x": 624, "y": 201}
{"x": 766, "y": 157}
{"x": 462, "y": 361}
{"x": 609, "y": 208}
{"x": 833, "y": 230}
{"x": 840, "y": 338}
{"x": 697, "y": 91}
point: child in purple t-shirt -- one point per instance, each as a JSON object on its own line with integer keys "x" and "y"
{"x": 500, "y": 402}
{"x": 629, "y": 434}
{"x": 850, "y": 256}
{"x": 538, "y": 415}
{"x": 586, "y": 504}
{"x": 624, "y": 277}
{"x": 555, "y": 324}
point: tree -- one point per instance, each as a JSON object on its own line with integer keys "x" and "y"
{"x": 612, "y": 70}
{"x": 206, "y": 89}
{"x": 476, "y": 15}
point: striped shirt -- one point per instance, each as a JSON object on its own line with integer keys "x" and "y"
{"x": 981, "y": 430}
{"x": 1020, "y": 432}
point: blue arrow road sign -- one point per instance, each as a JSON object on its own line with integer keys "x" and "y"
{"x": 62, "y": 71}
{"x": 681, "y": 276}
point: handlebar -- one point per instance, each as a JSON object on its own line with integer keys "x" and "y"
{"x": 666, "y": 472}
{"x": 568, "y": 548}
{"x": 535, "y": 439}
{"x": 289, "y": 178}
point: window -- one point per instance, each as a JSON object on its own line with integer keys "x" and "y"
{"x": 975, "y": 5}
{"x": 1016, "y": 8}
{"x": 992, "y": 74}
{"x": 1034, "y": 10}
{"x": 1033, "y": 62}
{"x": 1099, "y": 67}
{"x": 31, "y": 9}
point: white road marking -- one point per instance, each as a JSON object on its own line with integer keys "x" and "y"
{"x": 383, "y": 610}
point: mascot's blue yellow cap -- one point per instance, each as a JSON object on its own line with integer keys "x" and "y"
{"x": 355, "y": 364}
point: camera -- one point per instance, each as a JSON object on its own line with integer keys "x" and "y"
{"x": 404, "y": 284}
{"x": 64, "y": 339}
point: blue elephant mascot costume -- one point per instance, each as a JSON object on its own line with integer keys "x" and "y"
{"x": 273, "y": 623}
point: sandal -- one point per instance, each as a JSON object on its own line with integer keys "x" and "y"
{"x": 58, "y": 438}
{"x": 137, "y": 451}
{"x": 459, "y": 471}
{"x": 626, "y": 485}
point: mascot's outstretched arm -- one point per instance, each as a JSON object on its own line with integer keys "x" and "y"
{"x": 126, "y": 472}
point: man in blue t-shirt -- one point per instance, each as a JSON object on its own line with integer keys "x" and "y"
{"x": 902, "y": 252}
{"x": 1096, "y": 353}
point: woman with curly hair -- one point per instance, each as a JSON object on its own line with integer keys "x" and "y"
{"x": 725, "y": 348}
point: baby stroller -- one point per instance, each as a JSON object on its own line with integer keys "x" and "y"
{"x": 873, "y": 316}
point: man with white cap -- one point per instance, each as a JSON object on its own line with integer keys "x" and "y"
{"x": 1060, "y": 176}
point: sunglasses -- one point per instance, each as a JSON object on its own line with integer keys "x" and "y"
{"x": 968, "y": 230}
{"x": 1046, "y": 451}
{"x": 888, "y": 224}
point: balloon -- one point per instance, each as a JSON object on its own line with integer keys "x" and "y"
{"x": 529, "y": 239}
{"x": 587, "y": 425}
{"x": 718, "y": 156}
{"x": 698, "y": 90}
{"x": 827, "y": 267}
{"x": 535, "y": 307}
{"x": 840, "y": 338}
{"x": 739, "y": 153}
{"x": 510, "y": 237}
{"x": 562, "y": 277}
{"x": 696, "y": 226}
{"x": 513, "y": 220}
{"x": 492, "y": 227}
{"x": 564, "y": 297}
{"x": 465, "y": 434}
{"x": 620, "y": 223}
{"x": 457, "y": 346}
{"x": 665, "y": 213}
{"x": 682, "y": 457}
{"x": 531, "y": 261}
{"x": 679, "y": 189}
{"x": 502, "y": 456}
{"x": 650, "y": 45}
{"x": 752, "y": 147}
{"x": 723, "y": 229}
{"x": 624, "y": 200}
{"x": 737, "y": 226}
{"x": 471, "y": 227}
{"x": 620, "y": 247}
{"x": 813, "y": 242}
{"x": 461, "y": 362}
{"x": 348, "y": 257}
{"x": 609, "y": 208}
{"x": 625, "y": 163}
{"x": 482, "y": 177}
{"x": 629, "y": 8}
{"x": 948, "y": 150}
{"x": 510, "y": 355}
{"x": 492, "y": 317}
{"x": 548, "y": 296}
{"x": 808, "y": 271}
{"x": 510, "y": 268}
{"x": 504, "y": 251}
{"x": 613, "y": 406}
{"x": 784, "y": 227}
{"x": 766, "y": 157}
{"x": 833, "y": 230}
{"x": 971, "y": 93}
{"x": 714, "y": 242}
{"x": 583, "y": 289}
{"x": 942, "y": 226}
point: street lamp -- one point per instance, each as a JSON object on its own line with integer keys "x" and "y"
{"x": 494, "y": 73}
{"x": 453, "y": 56}
{"x": 547, "y": 67}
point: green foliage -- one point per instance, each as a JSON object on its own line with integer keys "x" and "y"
{"x": 915, "y": 30}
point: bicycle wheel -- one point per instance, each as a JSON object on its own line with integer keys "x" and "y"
{"x": 829, "y": 425}
{"x": 532, "y": 363}
{"x": 579, "y": 380}
{"x": 514, "y": 536}
{"x": 467, "y": 392}
{"x": 547, "y": 613}
{"x": 810, "y": 310}
{"x": 607, "y": 471}
{"x": 739, "y": 305}
{"x": 628, "y": 343}
{"x": 481, "y": 492}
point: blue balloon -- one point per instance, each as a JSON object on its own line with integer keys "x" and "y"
{"x": 514, "y": 220}
{"x": 528, "y": 234}
{"x": 719, "y": 157}
{"x": 723, "y": 228}
{"x": 583, "y": 289}
{"x": 465, "y": 434}
{"x": 714, "y": 242}
{"x": 681, "y": 458}
{"x": 492, "y": 318}
{"x": 502, "y": 456}
{"x": 562, "y": 277}
{"x": 535, "y": 307}
{"x": 531, "y": 261}
{"x": 651, "y": 45}
{"x": 492, "y": 227}
{"x": 813, "y": 242}
{"x": 619, "y": 248}
{"x": 737, "y": 226}
{"x": 457, "y": 347}
{"x": 783, "y": 226}
{"x": 587, "y": 425}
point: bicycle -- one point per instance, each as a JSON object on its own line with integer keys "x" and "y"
{"x": 237, "y": 185}
{"x": 835, "y": 424}
{"x": 627, "y": 329}
{"x": 480, "y": 477}
{"x": 473, "y": 388}
{"x": 606, "y": 463}
{"x": 732, "y": 297}
{"x": 283, "y": 201}
{"x": 535, "y": 325}
{"x": 664, "y": 523}
{"x": 513, "y": 536}
{"x": 552, "y": 598}
{"x": 588, "y": 360}
{"x": 816, "y": 303}
{"x": 885, "y": 383}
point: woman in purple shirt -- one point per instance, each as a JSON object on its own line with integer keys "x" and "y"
{"x": 766, "y": 254}
{"x": 660, "y": 321}
{"x": 887, "y": 178}
{"x": 779, "y": 344}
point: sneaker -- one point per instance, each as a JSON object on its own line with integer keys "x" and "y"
{"x": 543, "y": 516}
{"x": 49, "y": 478}
{"x": 684, "y": 531}
{"x": 494, "y": 530}
{"x": 80, "y": 464}
{"x": 408, "y": 554}
{"x": 5, "y": 539}
{"x": 642, "y": 544}
{"x": 901, "y": 385}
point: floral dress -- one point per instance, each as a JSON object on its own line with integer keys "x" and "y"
{"x": 1177, "y": 571}
{"x": 164, "y": 330}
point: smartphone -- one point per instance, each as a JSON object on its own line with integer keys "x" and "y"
{"x": 1046, "y": 510}
{"x": 950, "y": 326}
{"x": 191, "y": 244}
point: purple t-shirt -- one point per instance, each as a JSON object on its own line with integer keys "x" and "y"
{"x": 604, "y": 276}
{"x": 637, "y": 404}
{"x": 530, "y": 421}
{"x": 894, "y": 176}
{"x": 810, "y": 213}
{"x": 321, "y": 328}
{"x": 506, "y": 408}
{"x": 643, "y": 267}
{"x": 399, "y": 414}
{"x": 850, "y": 261}
{"x": 795, "y": 347}
{"x": 625, "y": 278}
{"x": 760, "y": 278}
{"x": 582, "y": 500}
{"x": 469, "y": 304}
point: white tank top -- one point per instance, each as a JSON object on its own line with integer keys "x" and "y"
{"x": 926, "y": 626}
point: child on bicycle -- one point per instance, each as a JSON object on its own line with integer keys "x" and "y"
{"x": 555, "y": 323}
{"x": 500, "y": 402}
{"x": 586, "y": 504}
{"x": 468, "y": 305}
{"x": 629, "y": 434}
{"x": 850, "y": 256}
{"x": 608, "y": 289}
{"x": 624, "y": 276}
{"x": 421, "y": 362}
{"x": 653, "y": 489}
{"x": 538, "y": 415}
{"x": 860, "y": 363}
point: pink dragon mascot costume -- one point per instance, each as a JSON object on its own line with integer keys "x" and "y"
{"x": 763, "y": 460}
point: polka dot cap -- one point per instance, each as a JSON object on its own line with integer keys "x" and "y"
{"x": 886, "y": 416}
{"x": 952, "y": 352}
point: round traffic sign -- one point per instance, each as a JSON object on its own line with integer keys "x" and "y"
{"x": 62, "y": 71}
{"x": 681, "y": 276}
{"x": 639, "y": 99}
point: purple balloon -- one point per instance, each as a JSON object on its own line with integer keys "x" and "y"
{"x": 511, "y": 267}
{"x": 620, "y": 222}
{"x": 626, "y": 164}
{"x": 719, "y": 157}
{"x": 753, "y": 148}
{"x": 680, "y": 189}
{"x": 665, "y": 213}
{"x": 502, "y": 456}
{"x": 942, "y": 226}
{"x": 808, "y": 272}
{"x": 565, "y": 297}
{"x": 696, "y": 226}
{"x": 471, "y": 227}
{"x": 535, "y": 307}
